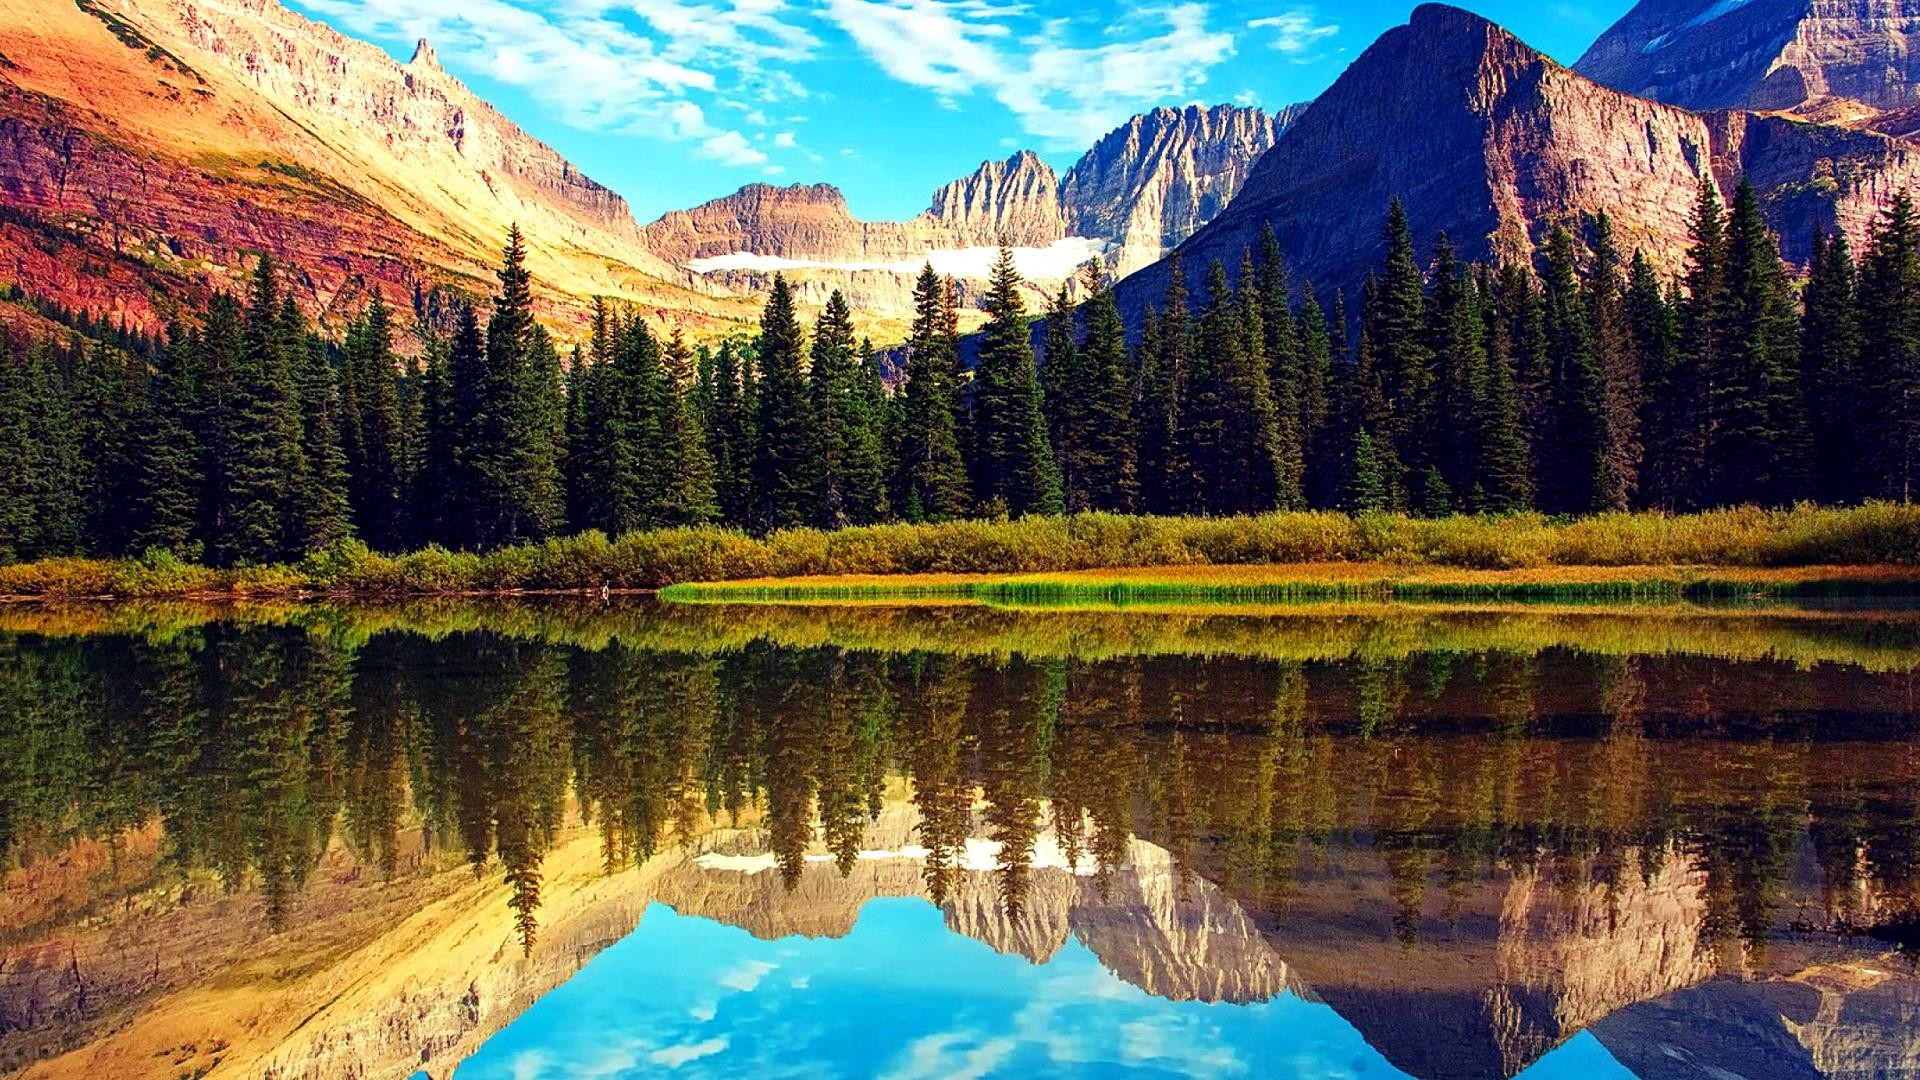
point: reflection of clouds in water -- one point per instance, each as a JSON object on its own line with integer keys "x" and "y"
{"x": 529, "y": 1065}
{"x": 746, "y": 978}
{"x": 675, "y": 1056}
{"x": 902, "y": 997}
{"x": 952, "y": 1055}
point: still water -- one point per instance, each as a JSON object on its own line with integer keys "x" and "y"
{"x": 557, "y": 840}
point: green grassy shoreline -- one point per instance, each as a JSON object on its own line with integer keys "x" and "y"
{"x": 1871, "y": 550}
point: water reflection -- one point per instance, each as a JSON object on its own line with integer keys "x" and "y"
{"x": 308, "y": 841}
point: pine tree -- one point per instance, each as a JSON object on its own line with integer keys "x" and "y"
{"x": 1286, "y": 377}
{"x": 512, "y": 453}
{"x": 107, "y": 404}
{"x": 871, "y": 451}
{"x": 1890, "y": 342}
{"x": 168, "y": 505}
{"x": 1830, "y": 371}
{"x": 1677, "y": 417}
{"x": 21, "y": 483}
{"x": 1503, "y": 461}
{"x": 266, "y": 467}
{"x": 440, "y": 506}
{"x": 728, "y": 421}
{"x": 687, "y": 496}
{"x": 1059, "y": 363}
{"x": 1316, "y": 336}
{"x": 933, "y": 475}
{"x": 1569, "y": 468}
{"x": 1013, "y": 458}
{"x": 846, "y": 438}
{"x": 1160, "y": 373}
{"x": 371, "y": 433}
{"x": 1612, "y": 402}
{"x": 783, "y": 462}
{"x": 1101, "y": 460}
{"x": 1458, "y": 343}
{"x": 1367, "y": 491}
{"x": 325, "y": 515}
{"x": 1757, "y": 443}
{"x": 1402, "y": 359}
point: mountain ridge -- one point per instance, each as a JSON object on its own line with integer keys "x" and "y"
{"x": 1493, "y": 142}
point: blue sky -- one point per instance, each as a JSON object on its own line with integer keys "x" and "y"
{"x": 672, "y": 102}
{"x": 903, "y": 998}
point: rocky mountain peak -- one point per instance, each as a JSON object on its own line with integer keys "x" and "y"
{"x": 1016, "y": 199}
{"x": 1149, "y": 184}
{"x": 1763, "y": 54}
{"x": 424, "y": 56}
{"x": 1492, "y": 142}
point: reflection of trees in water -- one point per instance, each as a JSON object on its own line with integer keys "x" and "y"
{"x": 256, "y": 746}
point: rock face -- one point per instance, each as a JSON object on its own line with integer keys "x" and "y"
{"x": 1018, "y": 199}
{"x": 1763, "y": 54}
{"x": 1142, "y": 189}
{"x": 1151, "y": 184}
{"x": 167, "y": 140}
{"x": 1492, "y": 142}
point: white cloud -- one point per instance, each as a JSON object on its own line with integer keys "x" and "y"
{"x": 785, "y": 140}
{"x": 731, "y": 148}
{"x": 675, "y": 1056}
{"x": 1296, "y": 31}
{"x": 639, "y": 67}
{"x": 1246, "y": 97}
{"x": 1062, "y": 92}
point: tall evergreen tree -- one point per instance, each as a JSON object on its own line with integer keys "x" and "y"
{"x": 513, "y": 453}
{"x": 785, "y": 488}
{"x": 1013, "y": 463}
{"x": 325, "y": 515}
{"x": 846, "y": 432}
{"x": 1830, "y": 371}
{"x": 265, "y": 465}
{"x": 1570, "y": 466}
{"x": 169, "y": 479}
{"x": 1285, "y": 372}
{"x": 728, "y": 420}
{"x": 1678, "y": 415}
{"x": 1757, "y": 442}
{"x": 1098, "y": 463}
{"x": 687, "y": 494}
{"x": 1402, "y": 359}
{"x": 1502, "y": 461}
{"x": 1890, "y": 342}
{"x": 1158, "y": 379}
{"x": 370, "y": 423}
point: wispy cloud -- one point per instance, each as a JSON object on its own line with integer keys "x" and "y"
{"x": 1296, "y": 32}
{"x": 642, "y": 67}
{"x": 673, "y": 1057}
{"x": 1062, "y": 91}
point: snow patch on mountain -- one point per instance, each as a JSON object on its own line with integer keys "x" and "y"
{"x": 1055, "y": 262}
{"x": 1717, "y": 11}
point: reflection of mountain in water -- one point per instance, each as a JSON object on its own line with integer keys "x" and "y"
{"x": 1470, "y": 836}
{"x": 1178, "y": 939}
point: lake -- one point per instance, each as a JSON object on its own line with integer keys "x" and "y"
{"x": 531, "y": 839}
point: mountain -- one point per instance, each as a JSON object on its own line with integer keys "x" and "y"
{"x": 148, "y": 147}
{"x": 1825, "y": 57}
{"x": 1492, "y": 142}
{"x": 1140, "y": 190}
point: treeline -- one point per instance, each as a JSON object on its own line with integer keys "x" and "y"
{"x": 257, "y": 748}
{"x": 1584, "y": 385}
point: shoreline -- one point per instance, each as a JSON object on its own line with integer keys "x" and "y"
{"x": 1234, "y": 583}
{"x": 1269, "y": 583}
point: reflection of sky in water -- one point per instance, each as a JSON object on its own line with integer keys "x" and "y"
{"x": 903, "y": 997}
